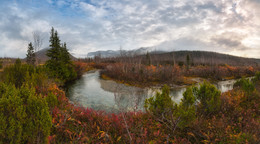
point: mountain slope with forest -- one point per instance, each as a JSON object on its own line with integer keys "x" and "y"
{"x": 196, "y": 58}
{"x": 41, "y": 55}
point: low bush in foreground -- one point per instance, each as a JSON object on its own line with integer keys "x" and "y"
{"x": 24, "y": 115}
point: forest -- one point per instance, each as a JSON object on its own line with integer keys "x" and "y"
{"x": 34, "y": 107}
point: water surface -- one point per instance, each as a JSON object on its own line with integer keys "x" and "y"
{"x": 106, "y": 95}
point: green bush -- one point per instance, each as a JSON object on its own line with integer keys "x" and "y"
{"x": 24, "y": 116}
{"x": 161, "y": 103}
{"x": 209, "y": 98}
{"x": 257, "y": 77}
{"x": 186, "y": 109}
{"x": 246, "y": 85}
{"x": 12, "y": 115}
{"x": 163, "y": 108}
{"x": 19, "y": 74}
{"x": 16, "y": 74}
{"x": 51, "y": 100}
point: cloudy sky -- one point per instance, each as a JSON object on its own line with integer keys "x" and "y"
{"x": 226, "y": 26}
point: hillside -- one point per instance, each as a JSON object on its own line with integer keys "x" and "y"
{"x": 41, "y": 55}
{"x": 196, "y": 57}
{"x": 205, "y": 57}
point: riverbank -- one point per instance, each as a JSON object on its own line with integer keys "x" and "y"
{"x": 184, "y": 82}
{"x": 189, "y": 81}
{"x": 141, "y": 75}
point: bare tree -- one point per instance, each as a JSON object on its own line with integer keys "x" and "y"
{"x": 37, "y": 40}
{"x": 37, "y": 43}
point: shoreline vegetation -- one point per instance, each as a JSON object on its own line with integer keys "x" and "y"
{"x": 184, "y": 78}
{"x": 34, "y": 107}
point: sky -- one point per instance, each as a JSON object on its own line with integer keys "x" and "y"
{"x": 225, "y": 26}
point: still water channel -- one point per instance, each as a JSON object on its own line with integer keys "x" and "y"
{"x": 92, "y": 92}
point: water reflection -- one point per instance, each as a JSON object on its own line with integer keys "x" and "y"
{"x": 225, "y": 86}
{"x": 93, "y": 92}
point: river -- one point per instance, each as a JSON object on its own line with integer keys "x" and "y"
{"x": 106, "y": 95}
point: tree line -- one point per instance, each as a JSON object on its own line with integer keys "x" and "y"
{"x": 59, "y": 64}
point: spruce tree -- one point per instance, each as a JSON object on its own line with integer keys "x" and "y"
{"x": 188, "y": 61}
{"x": 54, "y": 51}
{"x": 60, "y": 64}
{"x": 1, "y": 64}
{"x": 148, "y": 58}
{"x": 30, "y": 56}
{"x": 65, "y": 54}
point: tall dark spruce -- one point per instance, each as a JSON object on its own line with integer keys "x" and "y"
{"x": 30, "y": 56}
{"x": 59, "y": 64}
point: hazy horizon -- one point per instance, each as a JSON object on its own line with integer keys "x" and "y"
{"x": 227, "y": 26}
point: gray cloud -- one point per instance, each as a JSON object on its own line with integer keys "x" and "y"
{"x": 230, "y": 41}
{"x": 227, "y": 42}
{"x": 227, "y": 25}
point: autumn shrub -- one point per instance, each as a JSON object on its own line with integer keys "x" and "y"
{"x": 24, "y": 116}
{"x": 220, "y": 72}
{"x": 143, "y": 74}
{"x": 98, "y": 65}
{"x": 80, "y": 68}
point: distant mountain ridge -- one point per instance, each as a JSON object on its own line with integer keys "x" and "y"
{"x": 116, "y": 53}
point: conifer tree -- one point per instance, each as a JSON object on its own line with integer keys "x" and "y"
{"x": 188, "y": 61}
{"x": 54, "y": 50}
{"x": 60, "y": 64}
{"x": 30, "y": 56}
{"x": 148, "y": 58}
{"x": 1, "y": 64}
{"x": 65, "y": 53}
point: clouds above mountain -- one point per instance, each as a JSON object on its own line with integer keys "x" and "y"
{"x": 227, "y": 26}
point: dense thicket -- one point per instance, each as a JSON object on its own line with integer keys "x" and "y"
{"x": 142, "y": 74}
{"x": 24, "y": 115}
{"x": 19, "y": 73}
